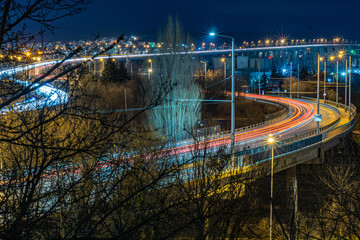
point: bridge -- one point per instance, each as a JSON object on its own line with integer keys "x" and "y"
{"x": 258, "y": 58}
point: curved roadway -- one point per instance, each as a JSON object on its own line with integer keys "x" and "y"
{"x": 298, "y": 121}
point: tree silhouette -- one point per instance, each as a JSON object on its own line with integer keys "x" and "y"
{"x": 113, "y": 73}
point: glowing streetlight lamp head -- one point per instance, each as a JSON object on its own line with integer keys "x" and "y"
{"x": 150, "y": 60}
{"x": 340, "y": 56}
{"x": 271, "y": 140}
{"x": 321, "y": 58}
{"x": 150, "y": 70}
{"x": 212, "y": 34}
{"x": 223, "y": 59}
{"x": 332, "y": 58}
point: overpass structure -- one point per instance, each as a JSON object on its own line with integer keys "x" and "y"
{"x": 297, "y": 53}
{"x": 258, "y": 59}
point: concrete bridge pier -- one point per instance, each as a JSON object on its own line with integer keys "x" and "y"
{"x": 292, "y": 192}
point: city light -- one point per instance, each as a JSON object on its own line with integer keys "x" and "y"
{"x": 212, "y": 34}
{"x": 271, "y": 140}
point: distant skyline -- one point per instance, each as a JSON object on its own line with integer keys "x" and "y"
{"x": 110, "y": 18}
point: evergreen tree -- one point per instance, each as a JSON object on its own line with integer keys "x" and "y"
{"x": 275, "y": 73}
{"x": 124, "y": 76}
{"x": 304, "y": 73}
{"x": 113, "y": 73}
{"x": 264, "y": 81}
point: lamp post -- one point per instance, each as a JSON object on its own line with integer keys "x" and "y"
{"x": 298, "y": 77}
{"x": 324, "y": 79}
{"x": 349, "y": 86}
{"x": 151, "y": 68}
{"x": 232, "y": 136}
{"x": 224, "y": 61}
{"x": 271, "y": 141}
{"x": 346, "y": 72}
{"x": 260, "y": 80}
{"x": 205, "y": 69}
{"x": 290, "y": 80}
{"x": 337, "y": 80}
{"x": 318, "y": 96}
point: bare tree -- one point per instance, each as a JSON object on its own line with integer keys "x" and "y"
{"x": 173, "y": 82}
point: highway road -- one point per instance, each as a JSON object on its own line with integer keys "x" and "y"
{"x": 298, "y": 121}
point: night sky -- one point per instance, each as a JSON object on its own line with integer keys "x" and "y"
{"x": 244, "y": 19}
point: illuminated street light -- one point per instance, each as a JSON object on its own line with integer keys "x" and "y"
{"x": 151, "y": 67}
{"x": 224, "y": 61}
{"x": 324, "y": 81}
{"x": 339, "y": 57}
{"x": 205, "y": 69}
{"x": 346, "y": 73}
{"x": 318, "y": 116}
{"x": 290, "y": 79}
{"x": 232, "y": 136}
{"x": 271, "y": 141}
{"x": 350, "y": 84}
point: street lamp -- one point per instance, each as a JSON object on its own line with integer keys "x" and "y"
{"x": 151, "y": 68}
{"x": 318, "y": 96}
{"x": 232, "y": 136}
{"x": 290, "y": 80}
{"x": 224, "y": 61}
{"x": 337, "y": 77}
{"x": 205, "y": 69}
{"x": 324, "y": 79}
{"x": 346, "y": 73}
{"x": 271, "y": 141}
{"x": 350, "y": 84}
